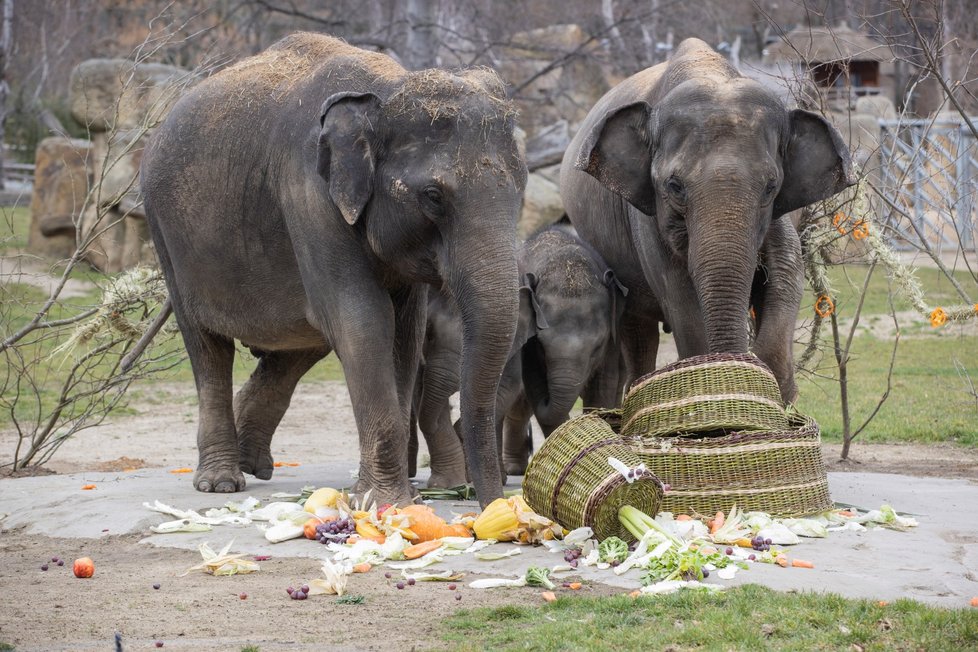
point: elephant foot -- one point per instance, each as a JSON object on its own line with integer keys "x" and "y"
{"x": 446, "y": 479}
{"x": 219, "y": 478}
{"x": 381, "y": 494}
{"x": 515, "y": 467}
{"x": 256, "y": 460}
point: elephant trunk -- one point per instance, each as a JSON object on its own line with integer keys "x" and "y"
{"x": 722, "y": 259}
{"x": 485, "y": 288}
{"x": 552, "y": 386}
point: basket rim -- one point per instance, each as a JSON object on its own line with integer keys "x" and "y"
{"x": 707, "y": 361}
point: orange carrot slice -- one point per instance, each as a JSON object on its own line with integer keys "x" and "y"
{"x": 574, "y": 586}
{"x": 549, "y": 596}
{"x": 801, "y": 563}
{"x": 362, "y": 568}
{"x": 88, "y": 487}
{"x": 421, "y": 549}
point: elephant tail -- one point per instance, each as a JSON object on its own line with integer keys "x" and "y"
{"x": 130, "y": 358}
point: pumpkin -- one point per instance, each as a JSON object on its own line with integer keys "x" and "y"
{"x": 429, "y": 526}
{"x": 84, "y": 567}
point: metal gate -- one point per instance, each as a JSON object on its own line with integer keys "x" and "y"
{"x": 929, "y": 172}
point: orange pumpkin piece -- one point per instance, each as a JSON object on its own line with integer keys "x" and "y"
{"x": 362, "y": 568}
{"x": 574, "y": 586}
{"x": 84, "y": 567}
{"x": 429, "y": 526}
{"x": 421, "y": 549}
{"x": 549, "y": 596}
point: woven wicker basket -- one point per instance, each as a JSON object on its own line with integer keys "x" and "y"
{"x": 570, "y": 480}
{"x": 780, "y": 472}
{"x": 716, "y": 393}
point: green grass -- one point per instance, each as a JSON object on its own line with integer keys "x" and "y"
{"x": 14, "y": 227}
{"x": 847, "y": 282}
{"x": 744, "y": 618}
{"x": 929, "y": 400}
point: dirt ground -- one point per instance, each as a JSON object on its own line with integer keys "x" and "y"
{"x": 199, "y": 612}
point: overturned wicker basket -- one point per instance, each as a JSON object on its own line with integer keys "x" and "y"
{"x": 780, "y": 472}
{"x": 716, "y": 393}
{"x": 570, "y": 480}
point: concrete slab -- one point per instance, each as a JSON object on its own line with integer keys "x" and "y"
{"x": 936, "y": 562}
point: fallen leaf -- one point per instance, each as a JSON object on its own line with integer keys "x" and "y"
{"x": 182, "y": 470}
{"x": 88, "y": 487}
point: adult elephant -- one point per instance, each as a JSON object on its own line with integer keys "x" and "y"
{"x": 299, "y": 202}
{"x": 680, "y": 176}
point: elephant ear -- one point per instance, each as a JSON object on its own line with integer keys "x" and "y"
{"x": 618, "y": 153}
{"x": 817, "y": 163}
{"x": 346, "y": 153}
{"x": 528, "y": 286}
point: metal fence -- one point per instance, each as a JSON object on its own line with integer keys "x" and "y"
{"x": 928, "y": 176}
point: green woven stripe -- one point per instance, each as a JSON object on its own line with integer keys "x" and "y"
{"x": 705, "y": 414}
{"x": 779, "y": 502}
{"x": 559, "y": 466}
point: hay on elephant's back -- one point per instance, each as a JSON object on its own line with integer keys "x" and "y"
{"x": 441, "y": 93}
{"x": 279, "y": 68}
{"x": 573, "y": 273}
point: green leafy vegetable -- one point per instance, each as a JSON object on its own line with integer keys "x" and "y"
{"x": 350, "y": 598}
{"x": 612, "y": 549}
{"x": 683, "y": 564}
{"x": 536, "y": 576}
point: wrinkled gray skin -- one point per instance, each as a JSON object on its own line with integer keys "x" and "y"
{"x": 564, "y": 348}
{"x": 679, "y": 177}
{"x": 300, "y": 202}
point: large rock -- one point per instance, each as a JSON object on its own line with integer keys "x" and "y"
{"x": 62, "y": 176}
{"x": 541, "y": 204}
{"x": 113, "y": 224}
{"x": 107, "y": 94}
{"x": 553, "y": 89}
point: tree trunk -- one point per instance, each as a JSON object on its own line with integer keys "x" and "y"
{"x": 5, "y": 43}
{"x": 422, "y": 42}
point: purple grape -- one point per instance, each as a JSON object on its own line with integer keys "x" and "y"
{"x": 458, "y": 596}
{"x": 752, "y": 557}
{"x": 400, "y": 585}
{"x": 290, "y": 590}
{"x": 54, "y": 560}
{"x": 729, "y": 551}
{"x": 706, "y": 573}
{"x": 158, "y": 643}
{"x": 614, "y": 562}
{"x": 451, "y": 587}
{"x": 573, "y": 563}
{"x": 304, "y": 588}
{"x": 387, "y": 575}
{"x": 157, "y": 586}
{"x": 767, "y": 542}
{"x": 61, "y": 562}
{"x": 411, "y": 581}
{"x": 44, "y": 567}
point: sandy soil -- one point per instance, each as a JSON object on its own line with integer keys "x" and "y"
{"x": 198, "y": 612}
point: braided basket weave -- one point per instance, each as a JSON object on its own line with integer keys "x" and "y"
{"x": 716, "y": 393}
{"x": 780, "y": 472}
{"x": 569, "y": 480}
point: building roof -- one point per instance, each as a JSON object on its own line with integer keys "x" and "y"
{"x": 824, "y": 45}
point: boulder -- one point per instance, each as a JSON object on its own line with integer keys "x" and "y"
{"x": 62, "y": 176}
{"x": 108, "y": 94}
{"x": 877, "y": 106}
{"x": 541, "y": 205}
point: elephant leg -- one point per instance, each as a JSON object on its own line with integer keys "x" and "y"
{"x": 211, "y": 357}
{"x": 439, "y": 381}
{"x": 602, "y": 389}
{"x": 639, "y": 347}
{"x": 776, "y": 295}
{"x": 379, "y": 351}
{"x": 261, "y": 403}
{"x": 517, "y": 443}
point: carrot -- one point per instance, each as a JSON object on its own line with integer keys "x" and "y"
{"x": 362, "y": 568}
{"x": 635, "y": 593}
{"x": 574, "y": 586}
{"x": 801, "y": 563}
{"x": 717, "y": 522}
{"x": 684, "y": 517}
{"x": 549, "y": 596}
{"x": 974, "y": 601}
{"x": 882, "y": 603}
{"x": 353, "y": 538}
{"x": 846, "y": 512}
{"x": 781, "y": 561}
{"x": 420, "y": 549}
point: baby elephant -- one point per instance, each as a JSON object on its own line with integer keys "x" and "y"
{"x": 565, "y": 348}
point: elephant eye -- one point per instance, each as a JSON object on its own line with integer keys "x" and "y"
{"x": 676, "y": 188}
{"x": 433, "y": 199}
{"x": 769, "y": 189}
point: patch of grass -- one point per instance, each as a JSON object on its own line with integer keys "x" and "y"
{"x": 847, "y": 281}
{"x": 6, "y": 647}
{"x": 250, "y": 648}
{"x": 742, "y": 618}
{"x": 929, "y": 400}
{"x": 15, "y": 224}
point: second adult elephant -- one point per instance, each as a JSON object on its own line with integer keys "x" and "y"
{"x": 679, "y": 176}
